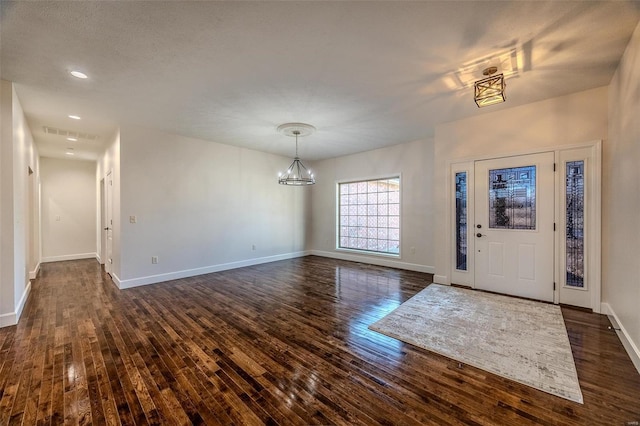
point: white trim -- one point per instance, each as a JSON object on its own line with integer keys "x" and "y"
{"x": 99, "y": 259}
{"x": 441, "y": 279}
{"x": 595, "y": 257}
{"x": 380, "y": 176}
{"x": 458, "y": 276}
{"x": 153, "y": 279}
{"x": 69, "y": 257}
{"x": 551, "y": 148}
{"x": 23, "y": 300}
{"x": 625, "y": 338}
{"x": 368, "y": 253}
{"x": 374, "y": 260}
{"x": 337, "y": 216}
{"x": 116, "y": 280}
{"x": 12, "y": 318}
{"x": 591, "y": 155}
{"x": 34, "y": 274}
{"x": 108, "y": 207}
{"x": 7, "y": 320}
{"x": 596, "y": 248}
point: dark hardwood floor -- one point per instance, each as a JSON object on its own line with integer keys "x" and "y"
{"x": 279, "y": 343}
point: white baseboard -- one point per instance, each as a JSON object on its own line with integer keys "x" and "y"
{"x": 625, "y": 338}
{"x": 23, "y": 300}
{"x": 34, "y": 274}
{"x": 116, "y": 280}
{"x": 7, "y": 320}
{"x": 374, "y": 260}
{"x": 12, "y": 318}
{"x": 69, "y": 257}
{"x": 441, "y": 279}
{"x": 99, "y": 259}
{"x": 153, "y": 279}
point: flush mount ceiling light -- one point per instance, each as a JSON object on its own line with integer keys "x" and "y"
{"x": 78, "y": 74}
{"x": 508, "y": 62}
{"x": 297, "y": 174}
{"x": 72, "y": 139}
{"x": 75, "y": 117}
{"x": 490, "y": 90}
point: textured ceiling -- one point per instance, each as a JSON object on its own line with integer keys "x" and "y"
{"x": 366, "y": 74}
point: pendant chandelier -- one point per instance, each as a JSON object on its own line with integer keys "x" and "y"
{"x": 490, "y": 90}
{"x": 297, "y": 174}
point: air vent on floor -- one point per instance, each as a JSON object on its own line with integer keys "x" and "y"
{"x": 70, "y": 133}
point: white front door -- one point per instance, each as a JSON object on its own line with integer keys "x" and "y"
{"x": 514, "y": 225}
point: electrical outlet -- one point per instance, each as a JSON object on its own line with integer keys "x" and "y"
{"x": 154, "y": 259}
{"x": 413, "y": 250}
{"x": 133, "y": 219}
{"x": 253, "y": 247}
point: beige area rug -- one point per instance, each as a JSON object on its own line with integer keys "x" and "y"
{"x": 521, "y": 340}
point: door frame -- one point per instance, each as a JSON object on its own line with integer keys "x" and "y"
{"x": 108, "y": 212}
{"x": 592, "y": 213}
{"x": 467, "y": 278}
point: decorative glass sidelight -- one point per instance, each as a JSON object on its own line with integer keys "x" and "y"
{"x": 512, "y": 198}
{"x": 574, "y": 191}
{"x": 461, "y": 221}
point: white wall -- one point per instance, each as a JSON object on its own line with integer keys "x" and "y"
{"x": 18, "y": 156}
{"x": 572, "y": 119}
{"x": 621, "y": 197}
{"x": 201, "y": 206}
{"x": 68, "y": 209}
{"x": 414, "y": 161}
{"x": 25, "y": 158}
{"x": 7, "y": 308}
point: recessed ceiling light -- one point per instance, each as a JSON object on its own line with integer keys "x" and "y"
{"x": 72, "y": 139}
{"x": 75, "y": 117}
{"x": 78, "y": 74}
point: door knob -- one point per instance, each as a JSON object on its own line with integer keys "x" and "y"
{"x": 479, "y": 235}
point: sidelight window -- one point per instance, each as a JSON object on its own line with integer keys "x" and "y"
{"x": 461, "y": 221}
{"x": 574, "y": 192}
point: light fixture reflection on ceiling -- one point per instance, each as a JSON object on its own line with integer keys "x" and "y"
{"x": 297, "y": 174}
{"x": 78, "y": 74}
{"x": 75, "y": 117}
{"x": 490, "y": 90}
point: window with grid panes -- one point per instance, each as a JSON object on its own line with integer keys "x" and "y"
{"x": 369, "y": 215}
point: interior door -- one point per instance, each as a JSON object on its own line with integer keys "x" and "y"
{"x": 514, "y": 229}
{"x": 109, "y": 223}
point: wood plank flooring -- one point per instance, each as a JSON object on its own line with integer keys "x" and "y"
{"x": 280, "y": 343}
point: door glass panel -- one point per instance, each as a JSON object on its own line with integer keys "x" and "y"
{"x": 512, "y": 198}
{"x": 575, "y": 223}
{"x": 461, "y": 221}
